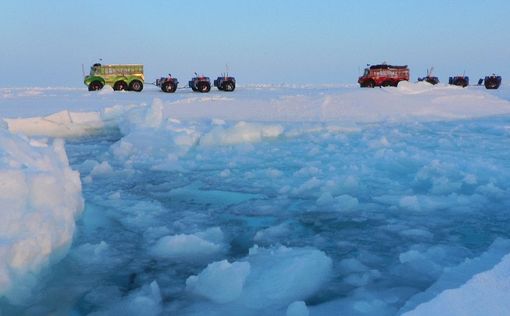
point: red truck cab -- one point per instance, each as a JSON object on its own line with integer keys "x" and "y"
{"x": 383, "y": 76}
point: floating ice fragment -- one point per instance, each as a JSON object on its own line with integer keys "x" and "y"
{"x": 240, "y": 133}
{"x": 184, "y": 247}
{"x": 221, "y": 281}
{"x": 297, "y": 308}
{"x": 347, "y": 202}
{"x": 410, "y": 203}
{"x": 272, "y": 234}
{"x": 101, "y": 169}
{"x": 145, "y": 301}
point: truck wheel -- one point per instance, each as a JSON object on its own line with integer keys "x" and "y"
{"x": 387, "y": 84}
{"x": 460, "y": 82}
{"x": 136, "y": 85}
{"x": 370, "y": 84}
{"x": 203, "y": 87}
{"x": 95, "y": 85}
{"x": 169, "y": 87}
{"x": 229, "y": 86}
{"x": 120, "y": 85}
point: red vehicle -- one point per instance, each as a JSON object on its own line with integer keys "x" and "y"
{"x": 383, "y": 76}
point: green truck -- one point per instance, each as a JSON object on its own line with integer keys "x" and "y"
{"x": 120, "y": 77}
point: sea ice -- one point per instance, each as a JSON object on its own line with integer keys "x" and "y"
{"x": 377, "y": 194}
{"x": 221, "y": 281}
{"x": 266, "y": 278}
{"x": 190, "y": 247}
{"x": 40, "y": 199}
{"x": 297, "y": 308}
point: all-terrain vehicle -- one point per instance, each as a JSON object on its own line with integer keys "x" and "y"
{"x": 383, "y": 75}
{"x": 461, "y": 81}
{"x": 225, "y": 83}
{"x": 167, "y": 84}
{"x": 120, "y": 77}
{"x": 429, "y": 78}
{"x": 200, "y": 83}
{"x": 492, "y": 82}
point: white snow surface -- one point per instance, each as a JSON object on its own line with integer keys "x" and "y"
{"x": 88, "y": 112}
{"x": 274, "y": 200}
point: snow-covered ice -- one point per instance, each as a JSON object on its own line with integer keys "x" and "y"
{"x": 40, "y": 199}
{"x": 273, "y": 200}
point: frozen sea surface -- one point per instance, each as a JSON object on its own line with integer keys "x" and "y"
{"x": 206, "y": 216}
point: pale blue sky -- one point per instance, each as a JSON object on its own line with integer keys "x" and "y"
{"x": 44, "y": 43}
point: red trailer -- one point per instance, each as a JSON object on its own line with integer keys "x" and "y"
{"x": 383, "y": 76}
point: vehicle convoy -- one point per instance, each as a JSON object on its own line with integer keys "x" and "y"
{"x": 167, "y": 84}
{"x": 200, "y": 83}
{"x": 429, "y": 78}
{"x": 383, "y": 75}
{"x": 225, "y": 83}
{"x": 120, "y": 77}
{"x": 492, "y": 82}
{"x": 461, "y": 81}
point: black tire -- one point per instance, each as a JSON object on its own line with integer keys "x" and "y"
{"x": 203, "y": 87}
{"x": 228, "y": 86}
{"x": 370, "y": 84}
{"x": 95, "y": 86}
{"x": 387, "y": 84}
{"x": 120, "y": 86}
{"x": 136, "y": 85}
{"x": 168, "y": 87}
{"x": 460, "y": 82}
{"x": 432, "y": 80}
{"x": 492, "y": 83}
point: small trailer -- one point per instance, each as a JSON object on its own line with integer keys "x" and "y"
{"x": 429, "y": 78}
{"x": 492, "y": 82}
{"x": 167, "y": 84}
{"x": 200, "y": 83}
{"x": 383, "y": 75}
{"x": 225, "y": 83}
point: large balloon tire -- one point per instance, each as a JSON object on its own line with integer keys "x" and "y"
{"x": 169, "y": 87}
{"x": 95, "y": 86}
{"x": 228, "y": 86}
{"x": 203, "y": 87}
{"x": 120, "y": 86}
{"x": 136, "y": 85}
